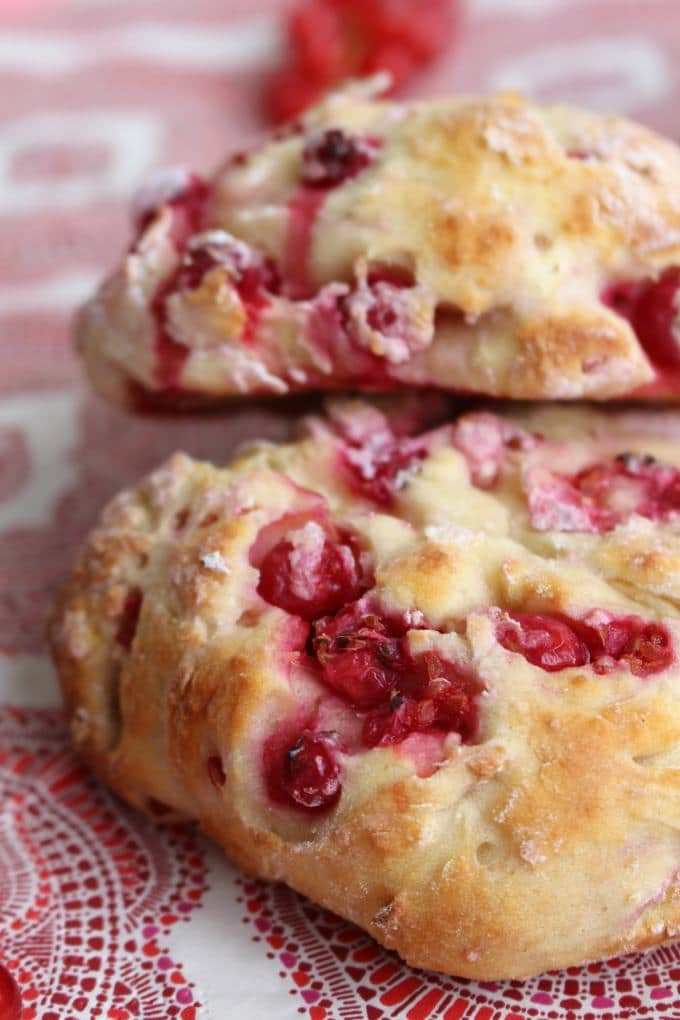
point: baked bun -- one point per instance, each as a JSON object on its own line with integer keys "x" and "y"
{"x": 484, "y": 246}
{"x": 429, "y": 679}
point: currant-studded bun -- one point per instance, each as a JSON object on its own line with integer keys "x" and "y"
{"x": 430, "y": 679}
{"x": 476, "y": 245}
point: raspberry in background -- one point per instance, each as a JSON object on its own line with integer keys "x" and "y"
{"x": 331, "y": 40}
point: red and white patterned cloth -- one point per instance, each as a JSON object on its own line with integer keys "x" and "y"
{"x": 103, "y": 914}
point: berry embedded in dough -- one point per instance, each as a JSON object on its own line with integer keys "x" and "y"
{"x": 479, "y": 246}
{"x": 362, "y": 659}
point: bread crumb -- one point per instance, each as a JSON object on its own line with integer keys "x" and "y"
{"x": 215, "y": 561}
{"x": 530, "y": 853}
{"x": 80, "y": 725}
{"x": 76, "y": 632}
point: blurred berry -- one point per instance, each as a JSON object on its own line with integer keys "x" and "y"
{"x": 331, "y": 40}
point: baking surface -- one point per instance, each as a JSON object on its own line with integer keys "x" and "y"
{"x": 101, "y": 913}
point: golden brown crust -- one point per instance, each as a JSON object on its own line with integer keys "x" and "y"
{"x": 508, "y": 221}
{"x": 549, "y": 839}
